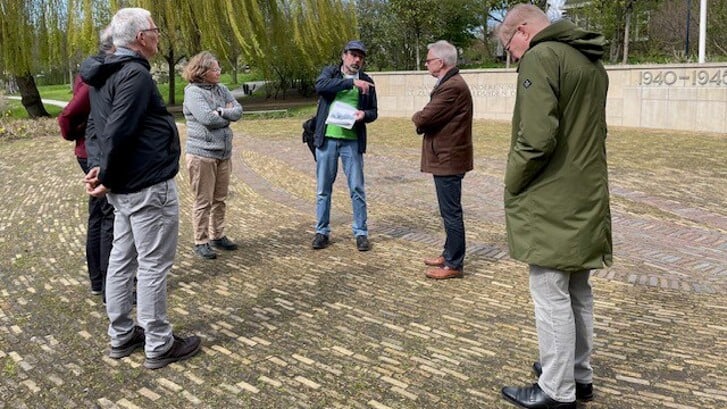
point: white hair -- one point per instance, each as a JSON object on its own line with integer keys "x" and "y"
{"x": 127, "y": 23}
{"x": 105, "y": 40}
{"x": 444, "y": 50}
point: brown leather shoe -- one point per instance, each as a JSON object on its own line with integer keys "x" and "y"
{"x": 443, "y": 273}
{"x": 435, "y": 262}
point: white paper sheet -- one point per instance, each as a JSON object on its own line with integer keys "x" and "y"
{"x": 341, "y": 114}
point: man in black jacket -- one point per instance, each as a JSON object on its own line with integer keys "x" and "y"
{"x": 346, "y": 103}
{"x": 138, "y": 159}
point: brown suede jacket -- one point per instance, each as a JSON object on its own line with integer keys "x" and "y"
{"x": 446, "y": 122}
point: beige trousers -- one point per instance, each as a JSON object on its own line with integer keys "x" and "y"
{"x": 210, "y": 180}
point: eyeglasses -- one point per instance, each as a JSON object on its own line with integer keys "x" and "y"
{"x": 427, "y": 61}
{"x": 216, "y": 69}
{"x": 154, "y": 29}
{"x": 514, "y": 33}
{"x": 507, "y": 44}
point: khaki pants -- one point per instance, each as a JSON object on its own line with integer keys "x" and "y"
{"x": 210, "y": 180}
{"x": 564, "y": 322}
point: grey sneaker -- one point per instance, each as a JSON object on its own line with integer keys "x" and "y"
{"x": 136, "y": 341}
{"x": 181, "y": 349}
{"x": 224, "y": 243}
{"x": 205, "y": 251}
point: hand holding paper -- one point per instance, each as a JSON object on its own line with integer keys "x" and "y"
{"x": 342, "y": 114}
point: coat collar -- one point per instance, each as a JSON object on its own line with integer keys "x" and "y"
{"x": 451, "y": 73}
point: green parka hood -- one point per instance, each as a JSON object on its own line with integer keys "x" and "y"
{"x": 589, "y": 43}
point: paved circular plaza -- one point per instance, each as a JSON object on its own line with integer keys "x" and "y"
{"x": 285, "y": 326}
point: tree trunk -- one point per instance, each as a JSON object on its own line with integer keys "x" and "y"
{"x": 172, "y": 77}
{"x": 30, "y": 97}
{"x": 627, "y": 31}
{"x": 233, "y": 63}
{"x": 417, "y": 56}
{"x": 615, "y": 50}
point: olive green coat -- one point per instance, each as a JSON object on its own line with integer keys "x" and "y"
{"x": 556, "y": 182}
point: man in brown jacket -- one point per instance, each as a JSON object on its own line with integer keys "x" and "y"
{"x": 446, "y": 123}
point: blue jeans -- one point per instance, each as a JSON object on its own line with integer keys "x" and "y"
{"x": 449, "y": 196}
{"x": 326, "y": 169}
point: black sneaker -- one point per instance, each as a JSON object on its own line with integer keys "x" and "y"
{"x": 320, "y": 241}
{"x": 181, "y": 349}
{"x": 205, "y": 251}
{"x": 224, "y": 243}
{"x": 136, "y": 341}
{"x": 362, "y": 243}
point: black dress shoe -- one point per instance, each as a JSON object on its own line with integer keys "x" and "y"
{"x": 584, "y": 391}
{"x": 532, "y": 397}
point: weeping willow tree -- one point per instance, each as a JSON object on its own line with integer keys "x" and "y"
{"x": 319, "y": 30}
{"x": 288, "y": 40}
{"x": 19, "y": 46}
{"x": 180, "y": 33}
{"x": 221, "y": 41}
{"x": 39, "y": 36}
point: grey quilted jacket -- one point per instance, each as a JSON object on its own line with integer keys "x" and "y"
{"x": 208, "y": 120}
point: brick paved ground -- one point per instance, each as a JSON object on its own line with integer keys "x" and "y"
{"x": 288, "y": 327}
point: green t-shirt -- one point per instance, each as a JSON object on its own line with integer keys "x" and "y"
{"x": 348, "y": 97}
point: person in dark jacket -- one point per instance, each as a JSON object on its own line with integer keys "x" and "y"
{"x": 556, "y": 195}
{"x": 346, "y": 103}
{"x": 100, "y": 231}
{"x": 139, "y": 158}
{"x": 446, "y": 123}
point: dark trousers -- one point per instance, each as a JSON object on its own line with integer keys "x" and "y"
{"x": 449, "y": 196}
{"x": 99, "y": 236}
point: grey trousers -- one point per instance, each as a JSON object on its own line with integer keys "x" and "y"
{"x": 145, "y": 242}
{"x": 564, "y": 322}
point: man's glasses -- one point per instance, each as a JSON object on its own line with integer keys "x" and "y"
{"x": 155, "y": 29}
{"x": 507, "y": 44}
{"x": 427, "y": 61}
{"x": 514, "y": 33}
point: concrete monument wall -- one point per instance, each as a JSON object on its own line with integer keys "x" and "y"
{"x": 679, "y": 96}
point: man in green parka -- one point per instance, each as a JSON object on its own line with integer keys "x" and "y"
{"x": 556, "y": 194}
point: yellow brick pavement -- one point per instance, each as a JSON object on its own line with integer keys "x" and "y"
{"x": 288, "y": 327}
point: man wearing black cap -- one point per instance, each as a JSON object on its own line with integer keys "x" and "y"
{"x": 346, "y": 103}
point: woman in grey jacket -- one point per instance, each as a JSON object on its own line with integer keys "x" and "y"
{"x": 209, "y": 107}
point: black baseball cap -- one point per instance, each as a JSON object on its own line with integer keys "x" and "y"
{"x": 355, "y": 45}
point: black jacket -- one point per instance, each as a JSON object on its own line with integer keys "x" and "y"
{"x": 328, "y": 84}
{"x": 136, "y": 136}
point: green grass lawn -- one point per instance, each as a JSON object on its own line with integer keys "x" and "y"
{"x": 62, "y": 92}
{"x": 16, "y": 110}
